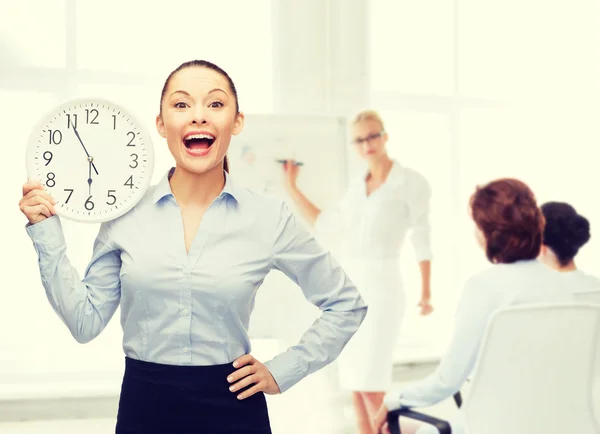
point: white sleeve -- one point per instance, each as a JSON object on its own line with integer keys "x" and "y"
{"x": 472, "y": 316}
{"x": 419, "y": 208}
{"x": 334, "y": 219}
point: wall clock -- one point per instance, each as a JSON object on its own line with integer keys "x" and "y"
{"x": 93, "y": 157}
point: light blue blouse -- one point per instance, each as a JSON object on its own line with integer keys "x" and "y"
{"x": 194, "y": 308}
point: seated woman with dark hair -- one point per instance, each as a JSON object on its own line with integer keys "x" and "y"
{"x": 509, "y": 226}
{"x": 565, "y": 233}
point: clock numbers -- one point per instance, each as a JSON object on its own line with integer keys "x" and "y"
{"x": 112, "y": 196}
{"x": 132, "y": 138}
{"x": 55, "y": 137}
{"x": 71, "y": 120}
{"x": 135, "y": 160}
{"x": 114, "y": 122}
{"x": 89, "y": 205}
{"x": 50, "y": 182}
{"x": 93, "y": 114}
{"x": 129, "y": 182}
{"x": 70, "y": 190}
{"x": 48, "y": 157}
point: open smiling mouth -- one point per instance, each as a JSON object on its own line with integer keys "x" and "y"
{"x": 199, "y": 142}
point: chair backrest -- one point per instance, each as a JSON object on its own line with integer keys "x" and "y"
{"x": 587, "y": 296}
{"x": 538, "y": 372}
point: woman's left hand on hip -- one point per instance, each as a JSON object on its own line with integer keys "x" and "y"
{"x": 251, "y": 371}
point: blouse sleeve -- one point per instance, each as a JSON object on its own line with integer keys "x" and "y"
{"x": 324, "y": 284}
{"x": 84, "y": 305}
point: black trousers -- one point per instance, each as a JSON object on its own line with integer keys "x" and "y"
{"x": 168, "y": 399}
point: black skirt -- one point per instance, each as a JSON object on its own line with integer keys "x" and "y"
{"x": 168, "y": 399}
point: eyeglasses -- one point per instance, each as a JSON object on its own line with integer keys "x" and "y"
{"x": 361, "y": 140}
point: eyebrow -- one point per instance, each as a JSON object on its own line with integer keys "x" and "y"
{"x": 216, "y": 89}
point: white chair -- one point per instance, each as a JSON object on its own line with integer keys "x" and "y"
{"x": 538, "y": 372}
{"x": 588, "y": 296}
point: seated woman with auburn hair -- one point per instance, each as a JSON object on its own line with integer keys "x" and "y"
{"x": 509, "y": 227}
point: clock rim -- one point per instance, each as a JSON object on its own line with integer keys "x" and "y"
{"x": 31, "y": 144}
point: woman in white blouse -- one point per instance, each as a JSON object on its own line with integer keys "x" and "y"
{"x": 565, "y": 233}
{"x": 509, "y": 227}
{"x": 379, "y": 208}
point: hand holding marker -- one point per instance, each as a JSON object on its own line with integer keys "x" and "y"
{"x": 290, "y": 170}
{"x": 296, "y": 163}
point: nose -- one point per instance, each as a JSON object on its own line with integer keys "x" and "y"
{"x": 198, "y": 115}
{"x": 366, "y": 146}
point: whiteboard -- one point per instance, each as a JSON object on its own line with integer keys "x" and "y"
{"x": 320, "y": 143}
{"x": 317, "y": 141}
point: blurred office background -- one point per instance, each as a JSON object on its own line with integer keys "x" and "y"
{"x": 470, "y": 90}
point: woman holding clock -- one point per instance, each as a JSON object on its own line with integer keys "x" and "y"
{"x": 185, "y": 264}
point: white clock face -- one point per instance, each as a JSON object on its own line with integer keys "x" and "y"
{"x": 93, "y": 157}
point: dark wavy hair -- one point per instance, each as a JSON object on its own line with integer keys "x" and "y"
{"x": 506, "y": 211}
{"x": 566, "y": 231}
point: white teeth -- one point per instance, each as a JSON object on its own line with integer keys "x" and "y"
{"x": 200, "y": 136}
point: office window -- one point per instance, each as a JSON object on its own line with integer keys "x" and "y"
{"x": 488, "y": 49}
{"x": 411, "y": 47}
{"x": 19, "y": 111}
{"x": 514, "y": 50}
{"x": 33, "y": 33}
{"x": 486, "y": 153}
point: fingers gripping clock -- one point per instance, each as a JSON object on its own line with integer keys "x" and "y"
{"x": 93, "y": 157}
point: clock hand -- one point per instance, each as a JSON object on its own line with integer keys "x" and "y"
{"x": 90, "y": 176}
{"x": 86, "y": 152}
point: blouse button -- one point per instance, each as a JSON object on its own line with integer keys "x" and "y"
{"x": 221, "y": 311}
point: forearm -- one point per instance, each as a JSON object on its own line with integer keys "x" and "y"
{"x": 425, "y": 268}
{"x": 308, "y": 209}
{"x": 70, "y": 299}
{"x": 324, "y": 284}
{"x": 83, "y": 311}
{"x": 458, "y": 362}
{"x": 425, "y": 393}
{"x": 319, "y": 346}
